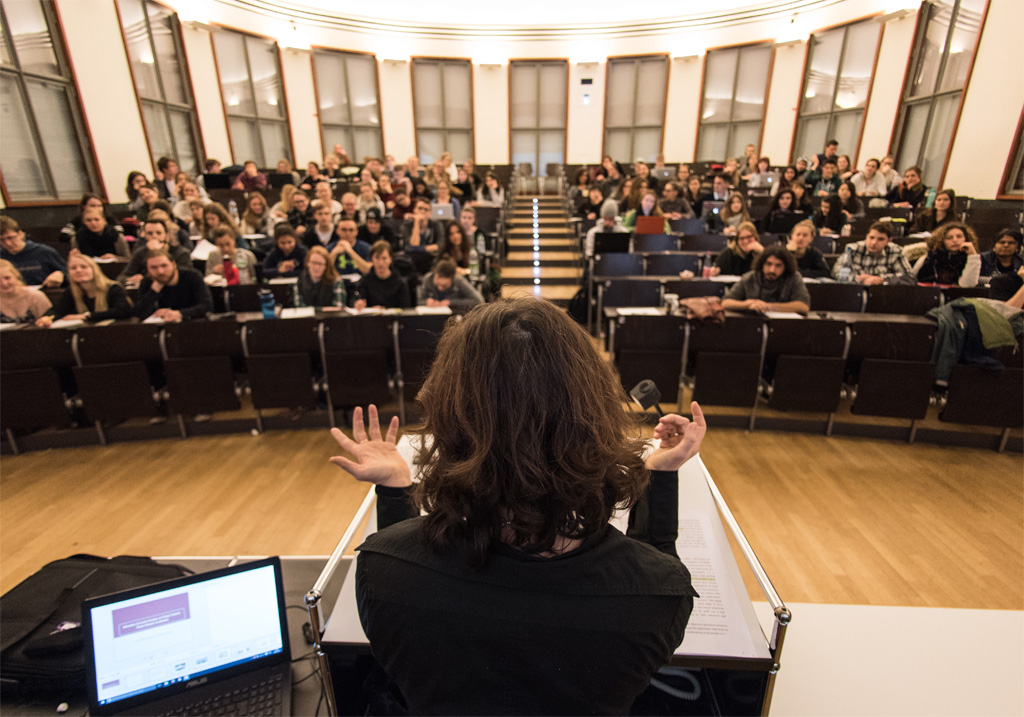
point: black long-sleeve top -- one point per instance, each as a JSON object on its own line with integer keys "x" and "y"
{"x": 190, "y": 296}
{"x": 391, "y": 293}
{"x": 118, "y": 305}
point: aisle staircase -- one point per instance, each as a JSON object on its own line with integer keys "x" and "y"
{"x": 543, "y": 257}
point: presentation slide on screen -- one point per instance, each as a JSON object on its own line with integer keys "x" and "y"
{"x": 153, "y": 641}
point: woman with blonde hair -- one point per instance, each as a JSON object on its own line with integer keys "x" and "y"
{"x": 90, "y": 295}
{"x": 18, "y": 303}
{"x": 284, "y": 204}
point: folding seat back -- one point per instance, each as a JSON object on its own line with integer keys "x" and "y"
{"x": 672, "y": 264}
{"x": 650, "y": 347}
{"x": 655, "y": 242}
{"x": 358, "y": 356}
{"x": 836, "y": 297}
{"x": 724, "y": 361}
{"x": 804, "y": 359}
{"x": 902, "y": 299}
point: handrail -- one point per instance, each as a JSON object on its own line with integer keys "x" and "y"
{"x": 346, "y": 538}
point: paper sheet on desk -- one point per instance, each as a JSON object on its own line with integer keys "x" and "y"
{"x": 66, "y": 323}
{"x": 425, "y": 310}
{"x": 283, "y": 280}
{"x": 783, "y": 315}
{"x": 154, "y": 320}
{"x": 640, "y": 311}
{"x": 298, "y": 312}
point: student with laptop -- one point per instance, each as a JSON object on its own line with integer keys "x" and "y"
{"x": 514, "y": 594}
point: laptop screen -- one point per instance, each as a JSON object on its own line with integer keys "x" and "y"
{"x": 175, "y": 632}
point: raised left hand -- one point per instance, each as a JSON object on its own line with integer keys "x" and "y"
{"x": 680, "y": 440}
{"x": 377, "y": 459}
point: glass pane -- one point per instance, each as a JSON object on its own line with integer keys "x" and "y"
{"x": 140, "y": 52}
{"x": 22, "y": 165}
{"x": 523, "y": 97}
{"x": 753, "y": 81}
{"x": 265, "y": 83}
{"x": 458, "y": 106}
{"x": 331, "y": 88}
{"x": 939, "y": 133}
{"x": 460, "y": 144}
{"x": 162, "y": 27}
{"x": 244, "y": 142}
{"x": 524, "y": 149}
{"x": 650, "y": 99}
{"x": 52, "y": 109}
{"x": 846, "y": 131}
{"x": 31, "y": 37}
{"x": 552, "y": 96}
{"x": 926, "y": 70}
{"x": 618, "y": 144}
{"x": 826, "y": 48}
{"x": 719, "y": 76}
{"x": 711, "y": 143}
{"x": 426, "y": 85}
{"x": 854, "y": 82}
{"x": 276, "y": 144}
{"x": 333, "y": 136}
{"x": 157, "y": 130}
{"x": 912, "y": 135}
{"x": 742, "y": 135}
{"x": 368, "y": 143}
{"x": 552, "y": 150}
{"x": 811, "y": 136}
{"x": 362, "y": 86}
{"x": 234, "y": 75}
{"x": 646, "y": 144}
{"x": 184, "y": 141}
{"x": 431, "y": 145}
{"x": 5, "y": 52}
{"x": 620, "y": 92}
{"x": 961, "y": 46}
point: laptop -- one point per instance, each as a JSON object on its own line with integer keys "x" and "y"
{"x": 763, "y": 180}
{"x": 650, "y": 225}
{"x": 216, "y": 642}
{"x": 442, "y": 212}
{"x": 663, "y": 174}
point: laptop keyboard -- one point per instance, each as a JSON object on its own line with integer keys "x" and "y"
{"x": 262, "y": 698}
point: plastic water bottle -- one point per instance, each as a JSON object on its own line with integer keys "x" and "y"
{"x": 266, "y": 297}
{"x": 233, "y": 210}
{"x": 705, "y": 271}
{"x": 474, "y": 261}
{"x": 930, "y": 201}
{"x": 242, "y": 264}
{"x": 844, "y": 273}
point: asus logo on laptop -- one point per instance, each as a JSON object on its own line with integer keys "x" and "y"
{"x": 195, "y": 683}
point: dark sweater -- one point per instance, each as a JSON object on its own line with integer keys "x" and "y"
{"x": 137, "y": 264}
{"x": 190, "y": 296}
{"x": 118, "y": 306}
{"x": 579, "y": 633}
{"x": 812, "y": 263}
{"x": 391, "y": 293}
{"x": 731, "y": 263}
{"x": 35, "y": 262}
{"x": 276, "y": 256}
{"x": 93, "y": 244}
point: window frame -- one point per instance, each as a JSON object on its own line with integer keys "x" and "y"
{"x": 1014, "y": 165}
{"x": 537, "y": 63}
{"x": 223, "y": 101}
{"x": 924, "y": 16}
{"x": 444, "y": 128}
{"x": 349, "y": 127}
{"x": 636, "y": 85}
{"x": 94, "y": 179}
{"x": 164, "y": 104}
{"x": 832, "y": 113}
{"x": 736, "y": 74}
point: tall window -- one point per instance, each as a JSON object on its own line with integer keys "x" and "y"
{"x": 153, "y": 39}
{"x": 839, "y": 67}
{"x": 250, "y": 85}
{"x": 443, "y": 102}
{"x": 732, "y": 109}
{"x": 1013, "y": 177}
{"x": 537, "y": 112}
{"x": 634, "y": 107}
{"x": 346, "y": 91}
{"x": 42, "y": 155}
{"x": 947, "y": 34}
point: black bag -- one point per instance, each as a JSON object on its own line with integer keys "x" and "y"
{"x": 41, "y": 642}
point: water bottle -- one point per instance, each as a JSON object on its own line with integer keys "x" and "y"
{"x": 474, "y": 261}
{"x": 242, "y": 264}
{"x": 266, "y": 297}
{"x": 844, "y": 273}
{"x": 230, "y": 272}
{"x": 930, "y": 201}
{"x": 705, "y": 271}
{"x": 233, "y": 210}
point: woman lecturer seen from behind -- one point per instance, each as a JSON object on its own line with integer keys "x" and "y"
{"x": 523, "y": 591}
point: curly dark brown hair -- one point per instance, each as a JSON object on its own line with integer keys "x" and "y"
{"x": 530, "y": 439}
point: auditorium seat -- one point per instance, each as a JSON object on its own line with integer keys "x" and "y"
{"x": 804, "y": 363}
{"x": 655, "y": 242}
{"x": 650, "y": 347}
{"x": 724, "y": 361}
{"x": 672, "y": 264}
{"x": 279, "y": 354}
{"x": 836, "y": 297}
{"x": 358, "y": 356}
{"x": 417, "y": 342}
{"x": 901, "y": 299}
{"x": 200, "y": 362}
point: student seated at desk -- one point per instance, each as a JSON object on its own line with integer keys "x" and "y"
{"x": 380, "y": 287}
{"x": 442, "y": 287}
{"x": 18, "y": 303}
{"x": 515, "y": 581}
{"x": 874, "y": 260}
{"x": 287, "y": 257}
{"x": 773, "y": 284}
{"x": 90, "y": 295}
{"x": 154, "y": 235}
{"x": 319, "y": 285}
{"x": 648, "y": 208}
{"x": 237, "y": 266}
{"x": 740, "y": 250}
{"x": 36, "y": 263}
{"x": 809, "y": 261}
{"x": 349, "y": 254}
{"x": 171, "y": 293}
{"x": 952, "y": 258}
{"x": 98, "y": 238}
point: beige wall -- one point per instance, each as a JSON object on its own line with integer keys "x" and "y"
{"x": 297, "y": 75}
{"x": 396, "y": 108}
{"x": 586, "y": 121}
{"x": 682, "y": 108}
{"x": 783, "y": 101}
{"x": 991, "y": 105}
{"x": 884, "y": 101}
{"x": 490, "y": 113}
{"x": 206, "y": 88}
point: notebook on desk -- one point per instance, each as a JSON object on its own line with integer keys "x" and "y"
{"x": 213, "y": 643}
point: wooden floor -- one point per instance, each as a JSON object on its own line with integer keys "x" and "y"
{"x": 838, "y": 520}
